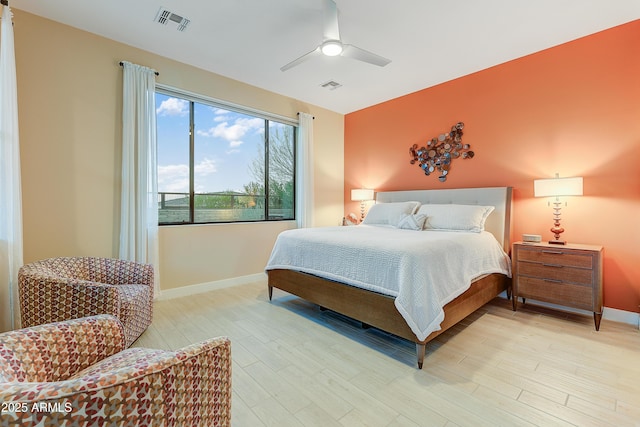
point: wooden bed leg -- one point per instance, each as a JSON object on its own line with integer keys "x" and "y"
{"x": 270, "y": 292}
{"x": 421, "y": 349}
{"x": 597, "y": 317}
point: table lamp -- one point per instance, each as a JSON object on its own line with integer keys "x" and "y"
{"x": 557, "y": 187}
{"x": 361, "y": 195}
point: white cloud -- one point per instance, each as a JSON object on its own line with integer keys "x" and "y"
{"x": 173, "y": 107}
{"x": 205, "y": 167}
{"x": 235, "y": 132}
{"x": 220, "y": 115}
{"x": 175, "y": 178}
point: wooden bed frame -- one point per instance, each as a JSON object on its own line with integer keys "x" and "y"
{"x": 379, "y": 310}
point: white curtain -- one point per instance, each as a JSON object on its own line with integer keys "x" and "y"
{"x": 304, "y": 171}
{"x": 139, "y": 206}
{"x": 10, "y": 195}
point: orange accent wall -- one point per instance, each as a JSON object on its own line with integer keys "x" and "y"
{"x": 572, "y": 109}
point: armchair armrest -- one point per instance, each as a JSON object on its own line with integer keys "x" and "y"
{"x": 74, "y": 298}
{"x": 56, "y": 351}
{"x": 191, "y": 386}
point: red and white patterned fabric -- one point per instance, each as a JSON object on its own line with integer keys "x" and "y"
{"x": 74, "y": 373}
{"x": 57, "y": 289}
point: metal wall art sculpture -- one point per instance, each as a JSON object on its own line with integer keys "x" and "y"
{"x": 437, "y": 155}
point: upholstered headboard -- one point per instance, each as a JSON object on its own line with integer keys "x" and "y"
{"x": 499, "y": 221}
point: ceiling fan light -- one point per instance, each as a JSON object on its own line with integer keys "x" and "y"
{"x": 331, "y": 48}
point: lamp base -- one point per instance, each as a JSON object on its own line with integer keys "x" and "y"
{"x": 557, "y": 231}
{"x": 557, "y": 242}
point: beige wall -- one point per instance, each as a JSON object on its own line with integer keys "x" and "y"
{"x": 69, "y": 97}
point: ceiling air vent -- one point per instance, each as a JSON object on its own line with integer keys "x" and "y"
{"x": 331, "y": 85}
{"x": 165, "y": 16}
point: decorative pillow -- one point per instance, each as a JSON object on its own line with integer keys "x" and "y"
{"x": 412, "y": 222}
{"x": 452, "y": 217}
{"x": 389, "y": 213}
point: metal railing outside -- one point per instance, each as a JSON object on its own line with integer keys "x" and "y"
{"x": 174, "y": 208}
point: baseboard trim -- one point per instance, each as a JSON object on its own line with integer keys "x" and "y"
{"x": 608, "y": 313}
{"x": 199, "y": 288}
{"x": 621, "y": 316}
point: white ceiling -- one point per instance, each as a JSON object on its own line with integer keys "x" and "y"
{"x": 428, "y": 41}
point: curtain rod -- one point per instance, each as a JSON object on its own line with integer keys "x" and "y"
{"x": 121, "y": 63}
{"x": 313, "y": 117}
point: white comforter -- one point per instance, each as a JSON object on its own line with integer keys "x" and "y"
{"x": 424, "y": 270}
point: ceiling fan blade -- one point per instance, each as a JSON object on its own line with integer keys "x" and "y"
{"x": 314, "y": 52}
{"x": 351, "y": 51}
{"x": 330, "y": 21}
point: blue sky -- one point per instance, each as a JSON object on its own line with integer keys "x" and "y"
{"x": 225, "y": 145}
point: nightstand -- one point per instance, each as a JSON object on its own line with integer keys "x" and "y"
{"x": 569, "y": 275}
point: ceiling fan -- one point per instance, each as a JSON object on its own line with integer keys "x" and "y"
{"x": 332, "y": 45}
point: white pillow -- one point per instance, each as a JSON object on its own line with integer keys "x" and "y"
{"x": 412, "y": 222}
{"x": 452, "y": 217}
{"x": 389, "y": 213}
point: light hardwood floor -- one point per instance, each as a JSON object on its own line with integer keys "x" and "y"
{"x": 294, "y": 365}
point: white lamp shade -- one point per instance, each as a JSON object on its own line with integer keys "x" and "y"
{"x": 361, "y": 194}
{"x": 555, "y": 187}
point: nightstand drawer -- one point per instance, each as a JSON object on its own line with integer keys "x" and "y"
{"x": 553, "y": 256}
{"x": 556, "y": 272}
{"x": 556, "y": 292}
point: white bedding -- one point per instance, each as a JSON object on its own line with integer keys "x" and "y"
{"x": 423, "y": 270}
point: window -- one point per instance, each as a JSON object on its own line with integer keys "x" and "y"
{"x": 222, "y": 164}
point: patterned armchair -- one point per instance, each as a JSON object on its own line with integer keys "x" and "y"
{"x": 57, "y": 289}
{"x": 75, "y": 373}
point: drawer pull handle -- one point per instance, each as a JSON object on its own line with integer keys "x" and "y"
{"x": 553, "y": 280}
{"x": 553, "y": 252}
{"x": 553, "y": 265}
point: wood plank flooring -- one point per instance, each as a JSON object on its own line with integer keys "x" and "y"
{"x": 294, "y": 365}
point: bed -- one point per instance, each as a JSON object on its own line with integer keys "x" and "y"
{"x": 352, "y": 290}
